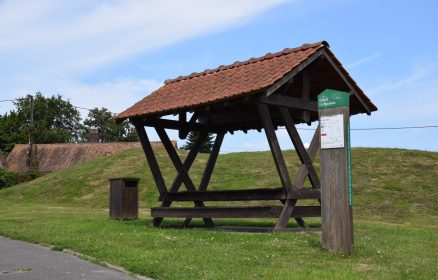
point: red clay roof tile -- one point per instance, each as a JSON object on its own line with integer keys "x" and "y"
{"x": 225, "y": 82}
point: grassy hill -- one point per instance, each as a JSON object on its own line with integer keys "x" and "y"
{"x": 395, "y": 210}
{"x": 394, "y": 184}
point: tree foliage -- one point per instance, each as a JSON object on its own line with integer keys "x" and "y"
{"x": 55, "y": 121}
{"x": 8, "y": 178}
{"x": 192, "y": 138}
{"x": 109, "y": 131}
{"x": 11, "y": 131}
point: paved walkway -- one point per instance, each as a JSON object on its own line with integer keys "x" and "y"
{"x": 21, "y": 260}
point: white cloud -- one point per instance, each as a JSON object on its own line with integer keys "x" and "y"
{"x": 116, "y": 96}
{"x": 364, "y": 60}
{"x": 79, "y": 36}
{"x": 409, "y": 100}
{"x": 417, "y": 78}
{"x": 57, "y": 46}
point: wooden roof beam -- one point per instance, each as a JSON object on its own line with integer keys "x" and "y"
{"x": 294, "y": 72}
{"x": 290, "y": 102}
{"x": 320, "y": 53}
{"x": 174, "y": 124}
{"x": 346, "y": 81}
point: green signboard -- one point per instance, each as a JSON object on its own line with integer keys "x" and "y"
{"x": 331, "y": 98}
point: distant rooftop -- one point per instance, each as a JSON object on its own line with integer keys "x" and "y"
{"x": 54, "y": 157}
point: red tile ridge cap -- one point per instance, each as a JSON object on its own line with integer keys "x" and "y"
{"x": 249, "y": 61}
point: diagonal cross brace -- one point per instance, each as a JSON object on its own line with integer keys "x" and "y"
{"x": 305, "y": 169}
{"x": 211, "y": 162}
{"x": 150, "y": 156}
{"x": 182, "y": 171}
{"x": 312, "y": 151}
{"x": 189, "y": 160}
{"x": 209, "y": 167}
{"x": 178, "y": 180}
{"x": 280, "y": 164}
{"x": 289, "y": 204}
{"x": 299, "y": 147}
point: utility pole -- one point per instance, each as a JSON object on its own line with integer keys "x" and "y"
{"x": 32, "y": 153}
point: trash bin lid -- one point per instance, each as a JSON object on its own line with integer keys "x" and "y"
{"x": 125, "y": 179}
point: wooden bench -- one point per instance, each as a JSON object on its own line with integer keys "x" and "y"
{"x": 233, "y": 212}
{"x": 276, "y": 194}
{"x": 242, "y": 195}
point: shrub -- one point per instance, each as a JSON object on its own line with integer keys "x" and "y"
{"x": 9, "y": 178}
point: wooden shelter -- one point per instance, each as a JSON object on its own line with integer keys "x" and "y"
{"x": 278, "y": 89}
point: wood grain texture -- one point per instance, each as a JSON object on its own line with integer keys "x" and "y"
{"x": 178, "y": 179}
{"x": 312, "y": 151}
{"x": 150, "y": 156}
{"x": 179, "y": 166}
{"x": 337, "y": 222}
{"x": 244, "y": 195}
{"x": 234, "y": 212}
{"x": 123, "y": 199}
{"x": 277, "y": 155}
{"x": 211, "y": 162}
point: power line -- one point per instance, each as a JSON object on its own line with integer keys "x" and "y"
{"x": 8, "y": 100}
{"x": 393, "y": 128}
{"x": 83, "y": 108}
{"x": 77, "y": 107}
{"x": 356, "y": 129}
{"x": 381, "y": 128}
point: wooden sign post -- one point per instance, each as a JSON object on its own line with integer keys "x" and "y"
{"x": 336, "y": 193}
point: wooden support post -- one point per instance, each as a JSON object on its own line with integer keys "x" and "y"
{"x": 182, "y": 171}
{"x": 312, "y": 151}
{"x": 189, "y": 160}
{"x": 299, "y": 147}
{"x": 306, "y": 93}
{"x": 337, "y": 219}
{"x": 178, "y": 180}
{"x": 209, "y": 167}
{"x": 211, "y": 162}
{"x": 289, "y": 205}
{"x": 275, "y": 147}
{"x": 152, "y": 161}
{"x": 302, "y": 172}
{"x": 305, "y": 160}
{"x": 182, "y": 118}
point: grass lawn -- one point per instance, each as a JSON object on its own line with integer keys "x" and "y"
{"x": 395, "y": 212}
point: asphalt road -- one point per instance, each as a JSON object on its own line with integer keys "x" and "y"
{"x": 22, "y": 260}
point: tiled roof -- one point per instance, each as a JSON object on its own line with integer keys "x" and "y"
{"x": 53, "y": 157}
{"x": 225, "y": 82}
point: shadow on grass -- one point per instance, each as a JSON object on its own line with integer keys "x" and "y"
{"x": 259, "y": 225}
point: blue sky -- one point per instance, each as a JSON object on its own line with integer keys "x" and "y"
{"x": 113, "y": 53}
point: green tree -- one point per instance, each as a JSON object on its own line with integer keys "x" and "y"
{"x": 109, "y": 131}
{"x": 193, "y": 137}
{"x": 11, "y": 131}
{"x": 55, "y": 121}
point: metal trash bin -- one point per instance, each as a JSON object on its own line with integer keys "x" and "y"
{"x": 123, "y": 198}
